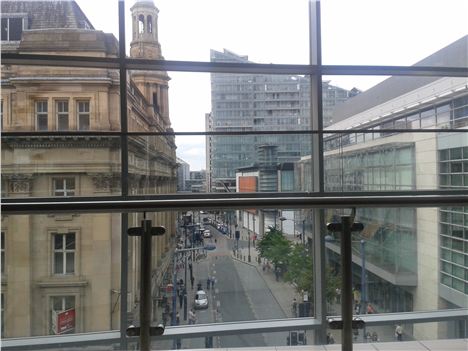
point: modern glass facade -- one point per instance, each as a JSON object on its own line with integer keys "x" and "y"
{"x": 260, "y": 103}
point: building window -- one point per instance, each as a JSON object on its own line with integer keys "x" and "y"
{"x": 12, "y": 28}
{"x": 41, "y": 115}
{"x": 83, "y": 115}
{"x": 64, "y": 253}
{"x": 62, "y": 115}
{"x": 64, "y": 186}
{"x": 62, "y": 316}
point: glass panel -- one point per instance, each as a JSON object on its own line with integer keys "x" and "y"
{"x": 86, "y": 34}
{"x": 211, "y": 25}
{"x": 93, "y": 160}
{"x": 61, "y": 280}
{"x": 395, "y": 99}
{"x": 70, "y": 263}
{"x": 58, "y": 263}
{"x": 61, "y": 98}
{"x": 58, "y": 241}
{"x": 373, "y": 47}
{"x": 70, "y": 242}
{"x": 396, "y": 162}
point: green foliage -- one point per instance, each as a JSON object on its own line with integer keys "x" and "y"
{"x": 297, "y": 261}
{"x": 274, "y": 246}
{"x": 300, "y": 268}
{"x": 333, "y": 281}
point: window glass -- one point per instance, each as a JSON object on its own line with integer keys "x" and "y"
{"x": 42, "y": 115}
{"x": 62, "y": 115}
{"x": 15, "y": 28}
{"x": 83, "y": 115}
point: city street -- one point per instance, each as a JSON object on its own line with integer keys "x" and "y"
{"x": 240, "y": 293}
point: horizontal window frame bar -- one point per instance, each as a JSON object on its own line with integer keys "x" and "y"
{"x": 336, "y": 132}
{"x": 233, "y": 328}
{"x": 233, "y": 200}
{"x": 229, "y": 67}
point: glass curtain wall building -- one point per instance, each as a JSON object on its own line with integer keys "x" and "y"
{"x": 259, "y": 103}
{"x": 89, "y": 163}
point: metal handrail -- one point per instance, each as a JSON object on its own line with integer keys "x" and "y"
{"x": 233, "y": 200}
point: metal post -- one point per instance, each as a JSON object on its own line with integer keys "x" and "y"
{"x": 346, "y": 276}
{"x": 363, "y": 285}
{"x": 363, "y": 277}
{"x": 145, "y": 288}
{"x": 248, "y": 234}
{"x": 174, "y": 292}
{"x": 303, "y": 232}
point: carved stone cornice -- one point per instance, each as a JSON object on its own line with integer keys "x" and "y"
{"x": 104, "y": 182}
{"x": 19, "y": 183}
{"x": 51, "y": 142}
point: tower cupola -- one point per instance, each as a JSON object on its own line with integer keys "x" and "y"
{"x": 145, "y": 42}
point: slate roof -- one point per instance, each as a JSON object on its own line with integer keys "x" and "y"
{"x": 453, "y": 55}
{"x": 48, "y": 14}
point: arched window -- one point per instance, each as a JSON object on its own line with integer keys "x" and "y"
{"x": 149, "y": 21}
{"x": 141, "y": 24}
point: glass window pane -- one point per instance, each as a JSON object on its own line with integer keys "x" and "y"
{"x": 58, "y": 263}
{"x": 372, "y": 47}
{"x": 70, "y": 241}
{"x": 70, "y": 263}
{"x": 58, "y": 241}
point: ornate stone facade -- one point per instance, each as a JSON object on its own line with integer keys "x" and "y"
{"x": 41, "y": 275}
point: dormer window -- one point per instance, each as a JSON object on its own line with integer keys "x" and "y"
{"x": 12, "y": 28}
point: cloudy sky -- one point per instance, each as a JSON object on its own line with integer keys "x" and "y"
{"x": 359, "y": 32}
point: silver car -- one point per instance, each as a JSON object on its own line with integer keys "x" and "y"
{"x": 201, "y": 300}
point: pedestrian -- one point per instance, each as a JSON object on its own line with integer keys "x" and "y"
{"x": 370, "y": 308}
{"x": 277, "y": 273}
{"x": 374, "y": 336}
{"x": 330, "y": 338}
{"x": 213, "y": 280}
{"x": 294, "y": 307}
{"x": 192, "y": 318}
{"x": 399, "y": 332}
{"x": 208, "y": 283}
{"x": 368, "y": 336}
{"x": 338, "y": 295}
{"x": 181, "y": 300}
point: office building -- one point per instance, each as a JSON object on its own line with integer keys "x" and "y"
{"x": 259, "y": 103}
{"x": 415, "y": 258}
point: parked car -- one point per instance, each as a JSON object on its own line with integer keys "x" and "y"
{"x": 201, "y": 300}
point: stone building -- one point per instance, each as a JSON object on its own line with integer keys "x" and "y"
{"x": 61, "y": 273}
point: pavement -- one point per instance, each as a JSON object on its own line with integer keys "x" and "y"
{"x": 284, "y": 292}
{"x": 278, "y": 304}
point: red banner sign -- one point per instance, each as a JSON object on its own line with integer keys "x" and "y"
{"x": 65, "y": 321}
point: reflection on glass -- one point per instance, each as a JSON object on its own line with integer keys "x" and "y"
{"x": 60, "y": 166}
{"x": 61, "y": 274}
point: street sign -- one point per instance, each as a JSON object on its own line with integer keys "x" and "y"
{"x": 63, "y": 321}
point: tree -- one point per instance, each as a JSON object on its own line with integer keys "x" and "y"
{"x": 274, "y": 246}
{"x": 300, "y": 271}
